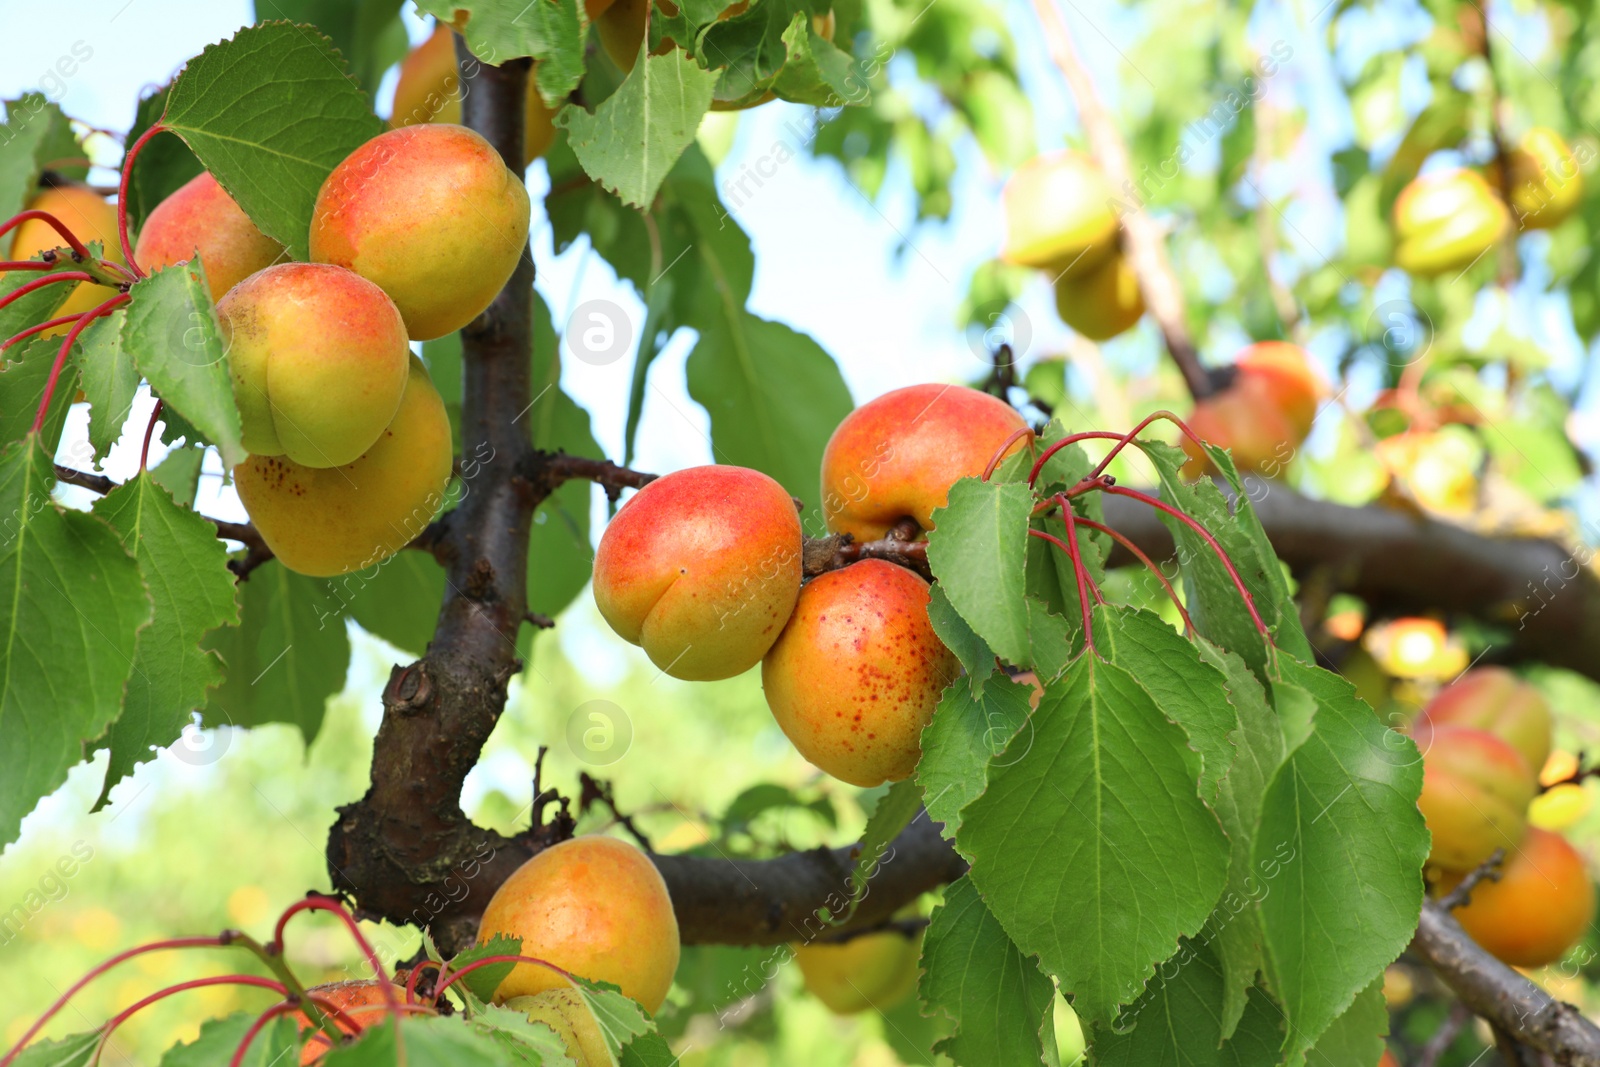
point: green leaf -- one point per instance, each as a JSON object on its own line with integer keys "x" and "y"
{"x": 621, "y": 1018}
{"x": 976, "y": 977}
{"x": 270, "y": 113}
{"x": 75, "y": 1051}
{"x": 1341, "y": 845}
{"x": 978, "y": 549}
{"x": 172, "y": 334}
{"x": 185, "y": 567}
{"x": 482, "y": 982}
{"x": 397, "y": 600}
{"x": 501, "y": 30}
{"x": 647, "y": 1050}
{"x": 636, "y": 135}
{"x": 435, "y": 1041}
{"x": 1176, "y": 1022}
{"x": 367, "y": 33}
{"x": 108, "y": 378}
{"x": 523, "y": 1042}
{"x": 219, "y": 1038}
{"x": 1091, "y": 844}
{"x": 966, "y": 733}
{"x": 22, "y": 383}
{"x": 179, "y": 473}
{"x": 817, "y": 72}
{"x": 1442, "y": 124}
{"x": 74, "y": 606}
{"x": 1357, "y": 1035}
{"x": 976, "y": 657}
{"x": 35, "y": 307}
{"x": 163, "y": 165}
{"x": 286, "y": 658}
{"x": 894, "y": 812}
{"x": 35, "y": 134}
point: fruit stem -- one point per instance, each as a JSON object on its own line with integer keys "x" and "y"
{"x": 1000, "y": 454}
{"x": 24, "y": 264}
{"x": 122, "y": 196}
{"x": 66, "y": 346}
{"x": 129, "y": 1012}
{"x": 149, "y": 432}
{"x": 1139, "y": 554}
{"x": 76, "y": 987}
{"x": 1161, "y": 505}
{"x": 1127, "y": 438}
{"x": 44, "y": 216}
{"x": 449, "y": 981}
{"x": 386, "y": 985}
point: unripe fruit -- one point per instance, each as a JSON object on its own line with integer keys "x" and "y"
{"x": 201, "y": 216}
{"x": 595, "y": 907}
{"x": 1444, "y": 222}
{"x": 90, "y": 218}
{"x": 701, "y": 569}
{"x": 432, "y": 215}
{"x": 897, "y": 456}
{"x": 1103, "y": 302}
{"x": 569, "y": 1015}
{"x": 858, "y": 671}
{"x": 1058, "y": 215}
{"x": 319, "y": 360}
{"x": 361, "y": 1000}
{"x": 1540, "y": 907}
{"x": 332, "y": 520}
{"x": 1438, "y": 467}
{"x": 1546, "y": 184}
{"x": 871, "y": 971}
{"x": 429, "y": 90}
{"x": 1264, "y": 415}
{"x": 1475, "y": 794}
{"x": 1496, "y": 700}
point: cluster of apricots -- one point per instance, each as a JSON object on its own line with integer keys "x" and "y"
{"x": 1445, "y": 221}
{"x": 411, "y": 237}
{"x": 702, "y": 568}
{"x": 1484, "y": 740}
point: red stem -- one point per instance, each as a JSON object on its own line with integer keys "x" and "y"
{"x": 25, "y": 264}
{"x": 40, "y": 283}
{"x": 994, "y": 461}
{"x": 149, "y": 432}
{"x": 44, "y": 216}
{"x": 486, "y": 961}
{"x": 122, "y": 195}
{"x": 416, "y": 973}
{"x": 1123, "y": 440}
{"x": 48, "y": 324}
{"x": 76, "y": 987}
{"x": 198, "y": 983}
{"x": 385, "y": 984}
{"x": 1249, "y": 601}
{"x": 1139, "y": 554}
{"x": 1077, "y": 570}
{"x": 66, "y": 346}
{"x": 283, "y": 1007}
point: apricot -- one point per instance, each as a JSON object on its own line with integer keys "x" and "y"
{"x": 1103, "y": 302}
{"x": 361, "y": 1000}
{"x": 569, "y": 1015}
{"x": 1415, "y": 647}
{"x": 430, "y": 213}
{"x": 1437, "y": 467}
{"x": 201, "y": 217}
{"x": 429, "y": 90}
{"x": 870, "y": 971}
{"x": 1444, "y": 222}
{"x": 701, "y": 569}
{"x": 1475, "y": 794}
{"x": 595, "y": 907}
{"x": 1540, "y": 907}
{"x": 1388, "y": 1060}
{"x": 897, "y": 456}
{"x": 1496, "y": 700}
{"x": 1059, "y": 215}
{"x": 1264, "y": 414}
{"x": 84, "y": 212}
{"x": 1546, "y": 184}
{"x": 858, "y": 671}
{"x": 324, "y": 521}
{"x": 319, "y": 360}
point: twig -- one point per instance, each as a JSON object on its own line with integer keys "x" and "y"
{"x": 95, "y": 483}
{"x": 831, "y": 553}
{"x": 1489, "y": 869}
{"x": 549, "y": 470}
{"x": 1445, "y": 1036}
{"x": 592, "y": 790}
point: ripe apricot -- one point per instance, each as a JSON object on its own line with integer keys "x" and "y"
{"x": 595, "y": 907}
{"x": 319, "y": 360}
{"x": 897, "y": 456}
{"x": 701, "y": 569}
{"x": 871, "y": 971}
{"x": 429, "y": 90}
{"x": 1103, "y": 302}
{"x": 1496, "y": 700}
{"x": 1444, "y": 222}
{"x": 201, "y": 217}
{"x": 569, "y": 1015}
{"x": 1539, "y": 908}
{"x": 1264, "y": 415}
{"x": 361, "y": 1000}
{"x": 856, "y": 674}
{"x": 1475, "y": 794}
{"x": 332, "y": 520}
{"x": 84, "y": 212}
{"x": 1546, "y": 184}
{"x": 1059, "y": 215}
{"x": 430, "y": 213}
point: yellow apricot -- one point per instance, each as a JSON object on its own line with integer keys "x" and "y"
{"x": 1103, "y": 302}
{"x": 1058, "y": 215}
{"x": 201, "y": 217}
{"x": 430, "y": 213}
{"x": 1546, "y": 184}
{"x": 84, "y": 212}
{"x": 319, "y": 360}
{"x": 332, "y": 520}
{"x": 871, "y": 971}
{"x": 1445, "y": 222}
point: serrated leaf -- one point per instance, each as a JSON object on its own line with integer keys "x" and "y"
{"x": 75, "y": 604}
{"x": 185, "y": 567}
{"x": 977, "y": 658}
{"x": 1357, "y": 1035}
{"x": 35, "y": 134}
{"x": 219, "y": 1038}
{"x": 429, "y": 1040}
{"x": 636, "y": 135}
{"x": 367, "y": 33}
{"x": 965, "y": 734}
{"x": 525, "y": 1042}
{"x": 978, "y": 549}
{"x": 163, "y": 165}
{"x": 817, "y": 71}
{"x": 482, "y": 982}
{"x": 41, "y": 304}
{"x": 287, "y": 656}
{"x": 974, "y": 975}
{"x": 23, "y": 378}
{"x": 270, "y": 113}
{"x": 501, "y": 30}
{"x": 108, "y": 378}
{"x": 75, "y": 1051}
{"x": 397, "y": 600}
{"x": 179, "y": 473}
{"x": 1341, "y": 845}
{"x": 647, "y": 1050}
{"x": 1091, "y": 844}
{"x": 172, "y": 334}
{"x": 894, "y": 812}
{"x": 621, "y": 1018}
